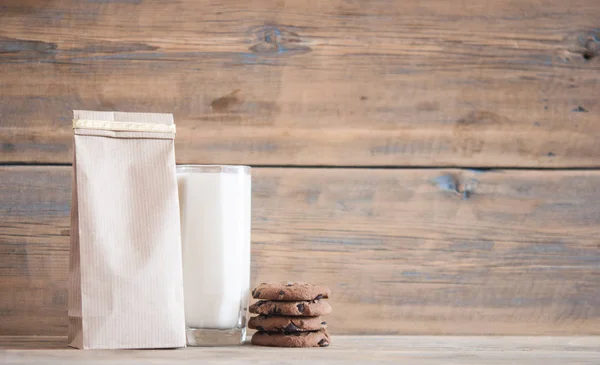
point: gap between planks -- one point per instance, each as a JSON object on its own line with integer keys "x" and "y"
{"x": 351, "y": 167}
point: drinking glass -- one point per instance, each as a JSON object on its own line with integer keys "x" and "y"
{"x": 215, "y": 233}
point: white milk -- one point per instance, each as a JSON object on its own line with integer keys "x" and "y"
{"x": 215, "y": 232}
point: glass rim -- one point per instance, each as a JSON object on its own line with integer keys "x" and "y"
{"x": 222, "y": 169}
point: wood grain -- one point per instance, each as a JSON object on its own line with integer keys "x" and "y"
{"x": 344, "y": 83}
{"x": 405, "y": 251}
{"x": 421, "y": 350}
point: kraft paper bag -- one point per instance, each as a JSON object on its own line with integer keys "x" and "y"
{"x": 126, "y": 286}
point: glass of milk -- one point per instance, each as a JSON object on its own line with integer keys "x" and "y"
{"x": 215, "y": 233}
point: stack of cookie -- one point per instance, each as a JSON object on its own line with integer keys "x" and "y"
{"x": 289, "y": 315}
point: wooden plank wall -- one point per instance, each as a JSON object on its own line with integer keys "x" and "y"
{"x": 364, "y": 121}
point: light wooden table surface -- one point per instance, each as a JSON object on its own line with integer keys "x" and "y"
{"x": 413, "y": 350}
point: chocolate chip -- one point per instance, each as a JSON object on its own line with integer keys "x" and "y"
{"x": 289, "y": 284}
{"x": 291, "y": 328}
{"x": 253, "y": 291}
{"x": 300, "y": 307}
{"x": 320, "y": 296}
{"x": 260, "y": 329}
{"x": 275, "y": 310}
{"x": 323, "y": 323}
{"x": 260, "y": 302}
{"x": 323, "y": 343}
{"x": 257, "y": 294}
{"x": 281, "y": 292}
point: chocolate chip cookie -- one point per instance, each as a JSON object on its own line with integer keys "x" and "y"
{"x": 286, "y": 324}
{"x": 304, "y": 308}
{"x": 290, "y": 291}
{"x": 297, "y": 339}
